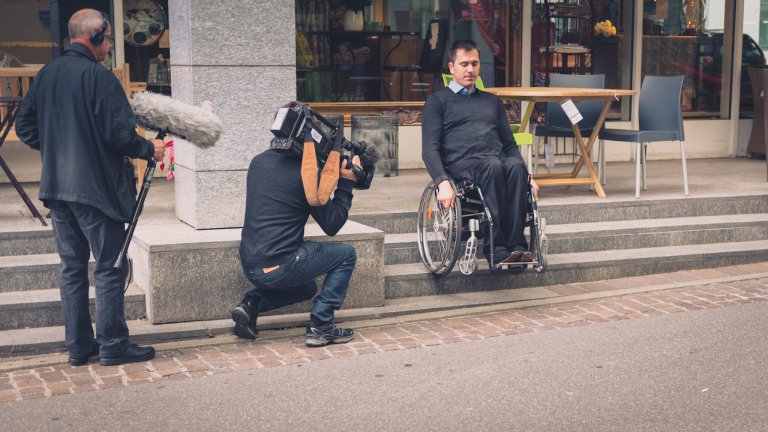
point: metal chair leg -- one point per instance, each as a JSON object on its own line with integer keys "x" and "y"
{"x": 645, "y": 162}
{"x": 601, "y": 162}
{"x": 637, "y": 169}
{"x": 685, "y": 168}
{"x": 537, "y": 143}
{"x": 530, "y": 158}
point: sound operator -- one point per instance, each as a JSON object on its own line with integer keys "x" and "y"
{"x": 277, "y": 260}
{"x": 78, "y": 116}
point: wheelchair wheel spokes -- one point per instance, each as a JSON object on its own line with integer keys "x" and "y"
{"x": 438, "y": 233}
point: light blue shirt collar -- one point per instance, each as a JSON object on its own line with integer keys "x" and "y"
{"x": 456, "y": 87}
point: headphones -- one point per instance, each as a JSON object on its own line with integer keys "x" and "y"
{"x": 97, "y": 36}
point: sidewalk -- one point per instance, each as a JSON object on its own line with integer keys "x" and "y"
{"x": 574, "y": 305}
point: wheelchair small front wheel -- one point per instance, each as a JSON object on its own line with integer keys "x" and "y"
{"x": 468, "y": 265}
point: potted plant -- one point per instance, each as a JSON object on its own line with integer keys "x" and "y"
{"x": 353, "y": 17}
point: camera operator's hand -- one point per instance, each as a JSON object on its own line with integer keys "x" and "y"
{"x": 159, "y": 147}
{"x": 445, "y": 194}
{"x": 347, "y": 173}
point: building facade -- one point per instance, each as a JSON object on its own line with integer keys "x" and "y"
{"x": 353, "y": 56}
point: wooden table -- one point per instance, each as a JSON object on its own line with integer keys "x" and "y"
{"x": 558, "y": 94}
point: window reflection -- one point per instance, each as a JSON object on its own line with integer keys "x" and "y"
{"x": 687, "y": 38}
{"x": 400, "y": 50}
{"x": 584, "y": 37}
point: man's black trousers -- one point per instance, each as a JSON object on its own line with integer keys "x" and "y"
{"x": 504, "y": 182}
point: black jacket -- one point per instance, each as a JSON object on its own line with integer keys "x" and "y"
{"x": 78, "y": 116}
{"x": 276, "y": 210}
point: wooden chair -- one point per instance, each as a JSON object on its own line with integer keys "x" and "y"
{"x": 14, "y": 85}
{"x": 16, "y": 82}
{"x": 431, "y": 61}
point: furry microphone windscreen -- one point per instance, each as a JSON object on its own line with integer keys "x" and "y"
{"x": 198, "y": 125}
{"x": 370, "y": 155}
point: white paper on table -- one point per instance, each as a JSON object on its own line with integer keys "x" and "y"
{"x": 549, "y": 156}
{"x": 571, "y": 111}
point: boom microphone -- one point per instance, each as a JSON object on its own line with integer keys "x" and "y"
{"x": 198, "y": 125}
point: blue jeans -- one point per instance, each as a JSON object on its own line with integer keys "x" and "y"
{"x": 80, "y": 229}
{"x": 294, "y": 281}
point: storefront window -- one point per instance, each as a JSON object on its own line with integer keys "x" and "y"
{"x": 687, "y": 38}
{"x": 33, "y": 32}
{"x": 147, "y": 43}
{"x": 584, "y": 37}
{"x": 755, "y": 41}
{"x": 396, "y": 50}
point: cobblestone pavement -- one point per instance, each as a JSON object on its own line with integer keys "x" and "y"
{"x": 706, "y": 290}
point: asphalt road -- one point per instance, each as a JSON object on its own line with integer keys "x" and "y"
{"x": 691, "y": 371}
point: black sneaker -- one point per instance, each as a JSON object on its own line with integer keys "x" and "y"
{"x": 79, "y": 361}
{"x": 244, "y": 315}
{"x": 329, "y": 333}
{"x": 133, "y": 353}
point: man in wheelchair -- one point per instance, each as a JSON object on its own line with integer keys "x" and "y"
{"x": 465, "y": 135}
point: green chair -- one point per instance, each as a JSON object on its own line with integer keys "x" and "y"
{"x": 521, "y": 138}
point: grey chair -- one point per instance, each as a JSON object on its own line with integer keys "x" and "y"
{"x": 661, "y": 119}
{"x": 557, "y": 124}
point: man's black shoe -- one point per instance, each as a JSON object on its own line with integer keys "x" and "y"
{"x": 79, "y": 361}
{"x": 329, "y": 333}
{"x": 244, "y": 315}
{"x": 133, "y": 353}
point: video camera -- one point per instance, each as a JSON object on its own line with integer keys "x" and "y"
{"x": 291, "y": 126}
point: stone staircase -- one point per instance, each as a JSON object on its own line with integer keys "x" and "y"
{"x": 29, "y": 293}
{"x": 587, "y": 242}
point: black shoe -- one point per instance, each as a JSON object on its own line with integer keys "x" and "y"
{"x": 329, "y": 333}
{"x": 244, "y": 315}
{"x": 79, "y": 361}
{"x": 133, "y": 353}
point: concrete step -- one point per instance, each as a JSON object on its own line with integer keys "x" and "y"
{"x": 409, "y": 280}
{"x": 616, "y": 235}
{"x": 405, "y": 222}
{"x": 29, "y": 242}
{"x": 30, "y": 341}
{"x": 25, "y": 346}
{"x": 32, "y": 272}
{"x": 42, "y": 308}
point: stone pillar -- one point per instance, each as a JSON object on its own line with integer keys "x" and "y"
{"x": 241, "y": 56}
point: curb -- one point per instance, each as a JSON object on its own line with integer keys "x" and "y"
{"x": 378, "y": 319}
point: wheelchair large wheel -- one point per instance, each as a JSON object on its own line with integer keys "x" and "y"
{"x": 439, "y": 232}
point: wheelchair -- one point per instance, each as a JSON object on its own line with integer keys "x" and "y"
{"x": 448, "y": 235}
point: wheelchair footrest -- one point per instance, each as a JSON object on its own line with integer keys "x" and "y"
{"x": 516, "y": 264}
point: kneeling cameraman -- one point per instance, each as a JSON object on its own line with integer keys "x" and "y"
{"x": 276, "y": 259}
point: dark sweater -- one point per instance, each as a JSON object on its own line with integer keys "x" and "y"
{"x": 276, "y": 210}
{"x": 456, "y": 126}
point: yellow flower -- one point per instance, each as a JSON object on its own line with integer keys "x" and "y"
{"x": 605, "y": 28}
